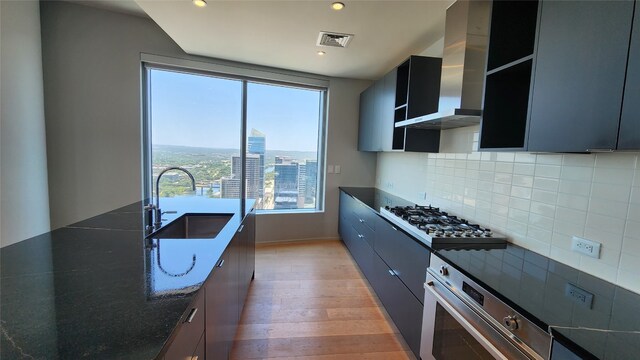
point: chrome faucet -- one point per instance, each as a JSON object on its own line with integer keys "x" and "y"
{"x": 158, "y": 217}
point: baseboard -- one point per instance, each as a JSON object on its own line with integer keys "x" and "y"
{"x": 293, "y": 241}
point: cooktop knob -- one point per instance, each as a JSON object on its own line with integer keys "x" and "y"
{"x": 444, "y": 271}
{"x": 511, "y": 322}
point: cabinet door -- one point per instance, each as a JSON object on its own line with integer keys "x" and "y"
{"x": 366, "y": 131}
{"x": 579, "y": 75}
{"x": 221, "y": 315}
{"x": 402, "y": 306}
{"x": 405, "y": 256}
{"x": 185, "y": 343}
{"x": 246, "y": 264}
{"x": 386, "y": 110}
{"x": 629, "y": 138}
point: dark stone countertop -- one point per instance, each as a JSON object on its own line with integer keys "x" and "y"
{"x": 96, "y": 290}
{"x": 607, "y": 326}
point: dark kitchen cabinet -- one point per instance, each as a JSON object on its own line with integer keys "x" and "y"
{"x": 247, "y": 258}
{"x": 186, "y": 342}
{"x": 221, "y": 309}
{"x": 408, "y": 91}
{"x": 562, "y": 89}
{"x": 629, "y": 135}
{"x": 403, "y": 307}
{"x": 393, "y": 263}
{"x": 579, "y": 78}
{"x": 407, "y": 258}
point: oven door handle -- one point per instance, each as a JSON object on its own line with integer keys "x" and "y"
{"x": 430, "y": 286}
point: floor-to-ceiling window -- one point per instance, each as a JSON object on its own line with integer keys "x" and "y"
{"x": 195, "y": 120}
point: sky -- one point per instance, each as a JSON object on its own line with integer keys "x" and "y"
{"x": 201, "y": 111}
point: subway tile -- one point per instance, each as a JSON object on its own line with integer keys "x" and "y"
{"x": 522, "y": 180}
{"x": 578, "y": 173}
{"x": 523, "y": 157}
{"x": 575, "y": 187}
{"x": 561, "y": 241}
{"x": 539, "y": 247}
{"x": 504, "y": 189}
{"x": 632, "y": 229}
{"x": 489, "y": 156}
{"x": 542, "y": 209}
{"x": 636, "y": 176}
{"x": 505, "y": 157}
{"x": 570, "y": 215}
{"x": 485, "y": 175}
{"x": 575, "y": 202}
{"x": 517, "y": 227}
{"x": 500, "y": 210}
{"x": 520, "y": 204}
{"x": 487, "y": 166}
{"x": 634, "y": 212}
{"x": 521, "y": 192}
{"x": 542, "y": 221}
{"x": 612, "y": 225}
{"x": 629, "y": 261}
{"x": 498, "y": 222}
{"x": 588, "y": 160}
{"x": 523, "y": 169}
{"x": 611, "y": 192}
{"x": 473, "y": 165}
{"x": 484, "y": 194}
{"x": 635, "y": 195}
{"x": 617, "y": 209}
{"x": 500, "y": 199}
{"x": 631, "y": 245}
{"x": 552, "y": 171}
{"x": 461, "y": 156}
{"x": 539, "y": 234}
{"x": 606, "y": 238}
{"x": 502, "y": 178}
{"x": 518, "y": 215}
{"x": 613, "y": 176}
{"x": 548, "y": 184}
{"x": 546, "y": 197}
{"x": 502, "y": 167}
{"x": 565, "y": 256}
{"x": 549, "y": 159}
{"x": 474, "y": 154}
{"x": 567, "y": 228}
{"x": 617, "y": 160}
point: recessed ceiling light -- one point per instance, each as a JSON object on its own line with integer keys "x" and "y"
{"x": 337, "y": 5}
{"x": 199, "y": 3}
{"x": 321, "y": 53}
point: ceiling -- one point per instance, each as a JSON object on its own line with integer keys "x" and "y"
{"x": 283, "y": 33}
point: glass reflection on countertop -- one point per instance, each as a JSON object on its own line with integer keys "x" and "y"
{"x": 173, "y": 269}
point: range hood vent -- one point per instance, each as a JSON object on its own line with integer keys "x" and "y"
{"x": 466, "y": 38}
{"x": 334, "y": 39}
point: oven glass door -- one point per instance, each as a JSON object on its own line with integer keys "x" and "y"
{"x": 451, "y": 341}
{"x": 452, "y": 330}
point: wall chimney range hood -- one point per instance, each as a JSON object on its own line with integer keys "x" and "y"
{"x": 463, "y": 68}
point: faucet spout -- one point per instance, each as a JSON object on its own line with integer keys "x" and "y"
{"x": 158, "y": 220}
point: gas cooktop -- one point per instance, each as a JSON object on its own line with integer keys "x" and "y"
{"x": 435, "y": 227}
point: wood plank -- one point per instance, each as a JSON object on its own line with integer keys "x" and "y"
{"x": 309, "y": 300}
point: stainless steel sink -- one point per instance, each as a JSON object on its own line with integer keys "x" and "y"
{"x": 194, "y": 226}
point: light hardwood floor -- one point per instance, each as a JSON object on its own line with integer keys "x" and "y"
{"x": 309, "y": 301}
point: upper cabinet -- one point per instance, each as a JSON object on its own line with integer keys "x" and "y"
{"x": 408, "y": 91}
{"x": 555, "y": 78}
{"x": 629, "y": 138}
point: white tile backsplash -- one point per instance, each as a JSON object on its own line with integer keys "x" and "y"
{"x": 538, "y": 200}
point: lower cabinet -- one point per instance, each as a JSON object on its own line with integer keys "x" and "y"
{"x": 190, "y": 331}
{"x": 403, "y": 307}
{"x": 394, "y": 263}
{"x": 208, "y": 328}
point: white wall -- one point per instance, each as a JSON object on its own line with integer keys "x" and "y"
{"x": 23, "y": 179}
{"x": 539, "y": 200}
{"x": 91, "y": 60}
{"x": 357, "y": 169}
{"x": 92, "y": 88}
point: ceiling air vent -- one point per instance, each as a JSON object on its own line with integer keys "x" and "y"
{"x": 334, "y": 39}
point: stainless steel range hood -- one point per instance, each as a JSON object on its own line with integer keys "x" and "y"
{"x": 463, "y": 67}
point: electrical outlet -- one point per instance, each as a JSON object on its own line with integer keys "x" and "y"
{"x": 578, "y": 295}
{"x": 586, "y": 247}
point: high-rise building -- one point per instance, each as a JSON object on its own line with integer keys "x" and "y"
{"x": 286, "y": 186}
{"x": 257, "y": 145}
{"x": 252, "y": 177}
{"x": 302, "y": 184}
{"x": 311, "y": 181}
{"x": 230, "y": 188}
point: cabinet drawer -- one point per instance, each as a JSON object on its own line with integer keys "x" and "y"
{"x": 365, "y": 216}
{"x": 189, "y": 332}
{"x": 366, "y": 232}
{"x": 404, "y": 255}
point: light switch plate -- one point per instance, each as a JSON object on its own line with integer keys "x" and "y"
{"x": 336, "y": 169}
{"x": 329, "y": 169}
{"x": 586, "y": 247}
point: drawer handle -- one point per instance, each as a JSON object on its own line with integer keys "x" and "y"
{"x": 220, "y": 263}
{"x": 360, "y": 236}
{"x": 392, "y": 273}
{"x": 361, "y": 220}
{"x": 394, "y": 228}
{"x": 241, "y": 228}
{"x": 192, "y": 314}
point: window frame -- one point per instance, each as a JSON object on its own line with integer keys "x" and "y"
{"x": 246, "y": 75}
